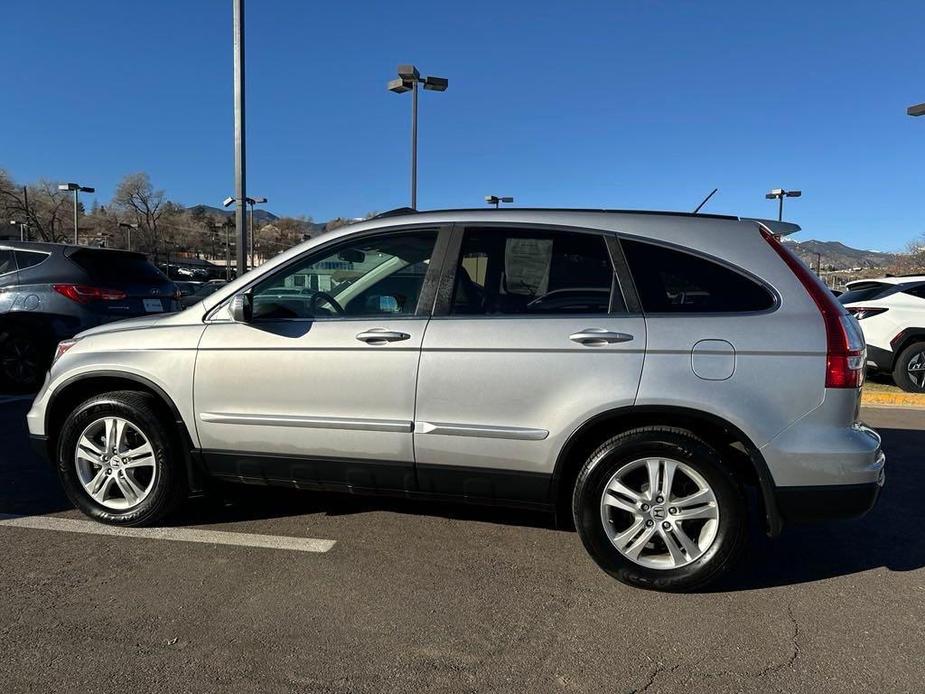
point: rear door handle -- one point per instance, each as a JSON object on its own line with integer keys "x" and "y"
{"x": 598, "y": 336}
{"x": 379, "y": 336}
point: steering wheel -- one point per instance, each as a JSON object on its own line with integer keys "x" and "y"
{"x": 318, "y": 296}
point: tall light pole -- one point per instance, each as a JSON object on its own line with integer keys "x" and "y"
{"x": 408, "y": 80}
{"x": 226, "y": 226}
{"x": 496, "y": 200}
{"x": 779, "y": 194}
{"x": 239, "y": 149}
{"x": 252, "y": 202}
{"x": 22, "y": 229}
{"x": 128, "y": 233}
{"x": 77, "y": 188}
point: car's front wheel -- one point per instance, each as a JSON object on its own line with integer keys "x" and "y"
{"x": 118, "y": 462}
{"x": 909, "y": 371}
{"x": 656, "y": 508}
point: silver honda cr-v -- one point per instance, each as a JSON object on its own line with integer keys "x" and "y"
{"x": 636, "y": 373}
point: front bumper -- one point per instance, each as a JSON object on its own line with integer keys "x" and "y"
{"x": 879, "y": 358}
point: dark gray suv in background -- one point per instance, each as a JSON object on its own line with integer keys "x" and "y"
{"x": 50, "y": 292}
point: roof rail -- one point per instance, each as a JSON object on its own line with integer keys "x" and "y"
{"x": 397, "y": 212}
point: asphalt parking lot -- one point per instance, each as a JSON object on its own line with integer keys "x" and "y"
{"x": 422, "y": 597}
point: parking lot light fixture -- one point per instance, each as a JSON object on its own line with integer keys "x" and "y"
{"x": 917, "y": 110}
{"x": 77, "y": 188}
{"x": 496, "y": 200}
{"x": 779, "y": 194}
{"x": 409, "y": 79}
{"x": 128, "y": 232}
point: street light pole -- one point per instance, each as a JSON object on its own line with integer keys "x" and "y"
{"x": 409, "y": 79}
{"x": 779, "y": 194}
{"x": 77, "y": 188}
{"x": 239, "y": 140}
{"x": 252, "y": 202}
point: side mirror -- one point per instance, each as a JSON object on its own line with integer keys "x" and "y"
{"x": 242, "y": 308}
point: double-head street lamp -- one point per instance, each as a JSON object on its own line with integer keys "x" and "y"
{"x": 77, "y": 188}
{"x": 779, "y": 194}
{"x": 496, "y": 200}
{"x": 128, "y": 233}
{"x": 408, "y": 80}
{"x": 229, "y": 201}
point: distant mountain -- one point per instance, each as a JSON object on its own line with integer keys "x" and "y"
{"x": 837, "y": 256}
{"x": 260, "y": 215}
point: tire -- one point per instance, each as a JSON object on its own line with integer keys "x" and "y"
{"x": 24, "y": 359}
{"x": 159, "y": 475}
{"x": 909, "y": 371}
{"x": 714, "y": 543}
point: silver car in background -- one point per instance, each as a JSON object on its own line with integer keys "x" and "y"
{"x": 634, "y": 373}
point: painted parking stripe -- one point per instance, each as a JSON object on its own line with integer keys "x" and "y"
{"x": 210, "y": 537}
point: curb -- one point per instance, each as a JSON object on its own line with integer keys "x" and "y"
{"x": 893, "y": 400}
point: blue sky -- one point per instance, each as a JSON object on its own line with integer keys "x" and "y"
{"x": 622, "y": 103}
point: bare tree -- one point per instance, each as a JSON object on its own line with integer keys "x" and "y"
{"x": 45, "y": 209}
{"x": 136, "y": 198}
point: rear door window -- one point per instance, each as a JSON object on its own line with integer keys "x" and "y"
{"x": 118, "y": 266}
{"x": 918, "y": 292}
{"x": 671, "y": 281}
{"x": 6, "y": 261}
{"x": 27, "y": 259}
{"x": 535, "y": 272}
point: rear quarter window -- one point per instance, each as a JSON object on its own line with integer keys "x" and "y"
{"x": 672, "y": 281}
{"x": 116, "y": 266}
{"x": 27, "y": 259}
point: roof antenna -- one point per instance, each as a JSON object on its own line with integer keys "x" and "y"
{"x": 705, "y": 200}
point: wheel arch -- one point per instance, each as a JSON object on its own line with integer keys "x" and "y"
{"x": 748, "y": 463}
{"x": 906, "y": 337}
{"x": 79, "y": 388}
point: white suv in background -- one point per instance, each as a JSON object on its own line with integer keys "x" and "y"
{"x": 891, "y": 311}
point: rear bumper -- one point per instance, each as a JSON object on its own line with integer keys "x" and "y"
{"x": 806, "y": 504}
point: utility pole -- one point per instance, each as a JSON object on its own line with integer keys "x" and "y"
{"x": 240, "y": 188}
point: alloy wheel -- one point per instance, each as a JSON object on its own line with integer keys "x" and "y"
{"x": 115, "y": 463}
{"x": 660, "y": 513}
{"x": 915, "y": 367}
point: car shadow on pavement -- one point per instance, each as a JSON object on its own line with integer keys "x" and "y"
{"x": 231, "y": 503}
{"x": 882, "y": 538}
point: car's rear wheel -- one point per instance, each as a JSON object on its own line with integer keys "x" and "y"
{"x": 656, "y": 508}
{"x": 23, "y": 360}
{"x": 909, "y": 371}
{"x": 118, "y": 462}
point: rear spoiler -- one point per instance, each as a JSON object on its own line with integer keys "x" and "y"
{"x": 775, "y": 227}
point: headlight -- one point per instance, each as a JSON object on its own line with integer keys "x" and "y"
{"x": 63, "y": 347}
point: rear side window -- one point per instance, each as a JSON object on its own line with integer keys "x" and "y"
{"x": 866, "y": 291}
{"x": 918, "y": 292}
{"x": 524, "y": 271}
{"x": 116, "y": 266}
{"x": 6, "y": 261}
{"x": 670, "y": 281}
{"x": 27, "y": 259}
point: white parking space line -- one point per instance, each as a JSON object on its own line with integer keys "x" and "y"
{"x": 210, "y": 537}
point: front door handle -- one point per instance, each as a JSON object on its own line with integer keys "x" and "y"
{"x": 598, "y": 336}
{"x": 379, "y": 336}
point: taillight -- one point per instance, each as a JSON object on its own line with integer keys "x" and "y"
{"x": 83, "y": 294}
{"x": 845, "y": 349}
{"x": 862, "y": 312}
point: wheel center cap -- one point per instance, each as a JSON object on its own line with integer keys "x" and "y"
{"x": 658, "y": 513}
{"x": 115, "y": 461}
